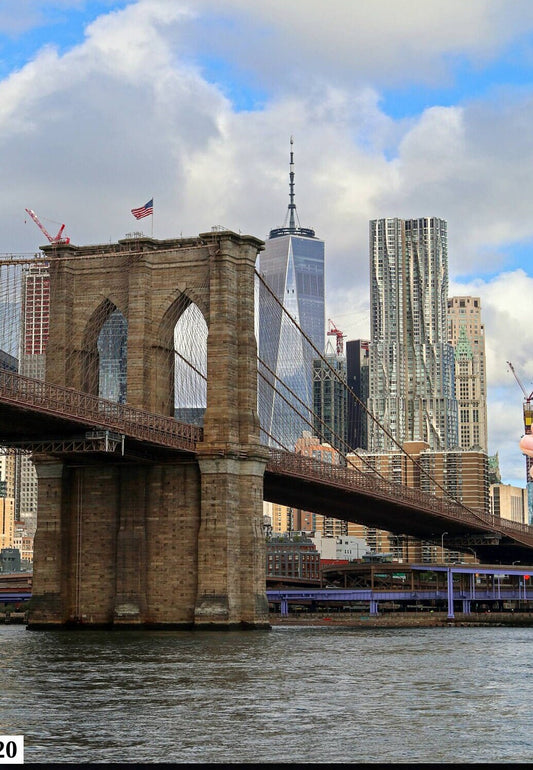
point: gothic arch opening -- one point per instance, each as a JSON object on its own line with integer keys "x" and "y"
{"x": 104, "y": 353}
{"x": 180, "y": 358}
{"x": 112, "y": 347}
{"x": 190, "y": 366}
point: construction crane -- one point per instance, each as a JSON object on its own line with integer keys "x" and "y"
{"x": 528, "y": 398}
{"x": 58, "y": 239}
{"x": 338, "y": 334}
{"x": 528, "y": 416}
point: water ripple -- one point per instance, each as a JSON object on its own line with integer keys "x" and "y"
{"x": 287, "y": 695}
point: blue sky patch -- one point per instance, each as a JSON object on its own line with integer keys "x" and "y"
{"x": 61, "y": 28}
{"x": 467, "y": 82}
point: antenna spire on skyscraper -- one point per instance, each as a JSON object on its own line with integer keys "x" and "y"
{"x": 292, "y": 204}
{"x": 290, "y": 227}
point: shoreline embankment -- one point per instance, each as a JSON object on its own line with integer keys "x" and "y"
{"x": 382, "y": 620}
{"x": 403, "y": 619}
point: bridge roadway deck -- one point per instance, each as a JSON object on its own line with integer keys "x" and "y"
{"x": 45, "y": 418}
{"x": 33, "y": 413}
{"x": 348, "y": 494}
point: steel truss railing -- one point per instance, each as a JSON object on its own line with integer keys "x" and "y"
{"x": 310, "y": 469}
{"x": 98, "y": 412}
{"x": 166, "y": 431}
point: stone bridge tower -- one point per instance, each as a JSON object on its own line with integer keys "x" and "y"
{"x": 155, "y": 541}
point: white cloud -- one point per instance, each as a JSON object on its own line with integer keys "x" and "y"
{"x": 387, "y": 42}
{"x": 505, "y": 430}
{"x": 88, "y": 135}
{"x": 127, "y": 114}
{"x": 469, "y": 165}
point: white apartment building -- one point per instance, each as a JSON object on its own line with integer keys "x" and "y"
{"x": 411, "y": 377}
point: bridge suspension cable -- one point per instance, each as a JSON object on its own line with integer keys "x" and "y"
{"x": 26, "y": 298}
{"x": 306, "y": 415}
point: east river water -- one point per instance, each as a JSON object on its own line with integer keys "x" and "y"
{"x": 287, "y": 695}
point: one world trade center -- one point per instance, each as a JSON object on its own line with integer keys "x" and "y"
{"x": 291, "y": 309}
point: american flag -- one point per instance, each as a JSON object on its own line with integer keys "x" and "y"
{"x": 144, "y": 211}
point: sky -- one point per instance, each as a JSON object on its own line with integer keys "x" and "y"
{"x": 398, "y": 108}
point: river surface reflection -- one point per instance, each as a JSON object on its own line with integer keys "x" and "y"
{"x": 286, "y": 695}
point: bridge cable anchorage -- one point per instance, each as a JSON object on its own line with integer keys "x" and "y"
{"x": 284, "y": 314}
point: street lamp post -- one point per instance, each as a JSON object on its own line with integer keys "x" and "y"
{"x": 519, "y": 582}
{"x": 442, "y": 546}
{"x": 475, "y": 554}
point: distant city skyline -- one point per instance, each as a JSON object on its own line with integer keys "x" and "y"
{"x": 420, "y": 113}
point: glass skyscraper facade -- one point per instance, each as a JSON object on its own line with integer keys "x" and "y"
{"x": 412, "y": 389}
{"x": 113, "y": 352}
{"x": 292, "y": 265}
{"x": 357, "y": 359}
{"x": 330, "y": 399}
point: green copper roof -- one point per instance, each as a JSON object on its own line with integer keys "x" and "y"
{"x": 463, "y": 349}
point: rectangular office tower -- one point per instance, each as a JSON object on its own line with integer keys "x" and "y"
{"x": 329, "y": 399}
{"x": 467, "y": 335}
{"x": 35, "y": 319}
{"x": 411, "y": 370}
{"x": 357, "y": 360}
{"x": 291, "y": 309}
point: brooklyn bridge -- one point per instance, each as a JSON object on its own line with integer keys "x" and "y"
{"x": 149, "y": 515}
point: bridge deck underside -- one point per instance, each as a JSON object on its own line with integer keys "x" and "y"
{"x": 392, "y": 516}
{"x": 361, "y": 508}
{"x": 35, "y": 430}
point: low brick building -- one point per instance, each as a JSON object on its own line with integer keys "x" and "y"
{"x": 292, "y": 557}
